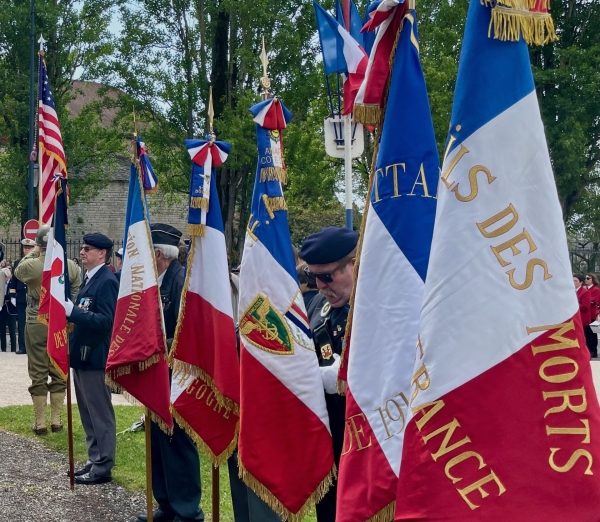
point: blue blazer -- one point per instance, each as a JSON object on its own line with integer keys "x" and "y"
{"x": 93, "y": 317}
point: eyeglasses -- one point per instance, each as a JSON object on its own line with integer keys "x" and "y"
{"x": 325, "y": 277}
{"x": 88, "y": 248}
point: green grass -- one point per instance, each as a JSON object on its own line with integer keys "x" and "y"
{"x": 130, "y": 466}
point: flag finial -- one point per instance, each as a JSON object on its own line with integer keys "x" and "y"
{"x": 265, "y": 83}
{"x": 211, "y": 112}
{"x": 41, "y": 41}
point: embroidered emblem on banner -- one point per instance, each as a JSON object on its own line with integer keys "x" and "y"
{"x": 264, "y": 327}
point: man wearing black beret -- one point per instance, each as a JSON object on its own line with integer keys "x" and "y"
{"x": 330, "y": 255}
{"x": 175, "y": 460}
{"x": 92, "y": 314}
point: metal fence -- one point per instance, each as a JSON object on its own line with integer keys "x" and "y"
{"x": 584, "y": 260}
{"x": 14, "y": 252}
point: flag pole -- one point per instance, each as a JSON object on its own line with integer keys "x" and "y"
{"x": 147, "y": 423}
{"x": 41, "y": 52}
{"x": 348, "y": 167}
{"x": 70, "y": 422}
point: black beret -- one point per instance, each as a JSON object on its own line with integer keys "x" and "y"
{"x": 165, "y": 234}
{"x": 98, "y": 240}
{"x": 328, "y": 245}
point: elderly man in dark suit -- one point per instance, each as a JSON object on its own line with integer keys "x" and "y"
{"x": 92, "y": 314}
{"x": 175, "y": 460}
{"x": 18, "y": 295}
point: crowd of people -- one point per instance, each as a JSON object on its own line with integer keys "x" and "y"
{"x": 587, "y": 288}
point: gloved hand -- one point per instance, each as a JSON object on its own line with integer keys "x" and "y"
{"x": 69, "y": 307}
{"x": 329, "y": 374}
{"x": 13, "y": 301}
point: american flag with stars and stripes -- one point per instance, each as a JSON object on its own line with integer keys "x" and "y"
{"x": 53, "y": 163}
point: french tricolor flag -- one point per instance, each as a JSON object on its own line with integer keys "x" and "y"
{"x": 341, "y": 54}
{"x": 205, "y": 392}
{"x": 505, "y": 418}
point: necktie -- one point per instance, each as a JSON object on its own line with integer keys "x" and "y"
{"x": 85, "y": 280}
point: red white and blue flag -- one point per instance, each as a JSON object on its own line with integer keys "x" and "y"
{"x": 384, "y": 328}
{"x": 137, "y": 364}
{"x": 52, "y": 155}
{"x": 285, "y": 447}
{"x": 55, "y": 289}
{"x": 505, "y": 415}
{"x": 205, "y": 392}
{"x": 341, "y": 54}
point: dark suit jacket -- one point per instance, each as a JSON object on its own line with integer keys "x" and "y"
{"x": 93, "y": 317}
{"x": 17, "y": 288}
{"x": 170, "y": 295}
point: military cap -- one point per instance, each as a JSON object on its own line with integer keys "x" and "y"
{"x": 165, "y": 234}
{"x": 119, "y": 253}
{"x": 41, "y": 238}
{"x": 28, "y": 242}
{"x": 328, "y": 245}
{"x": 98, "y": 240}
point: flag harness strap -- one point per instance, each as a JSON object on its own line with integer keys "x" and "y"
{"x": 322, "y": 338}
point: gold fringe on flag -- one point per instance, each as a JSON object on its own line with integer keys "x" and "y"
{"x": 367, "y": 114}
{"x": 274, "y": 174}
{"x": 117, "y": 388}
{"x": 276, "y": 505}
{"x": 510, "y": 24}
{"x": 274, "y": 204}
{"x": 149, "y": 362}
{"x": 196, "y": 229}
{"x": 43, "y": 318}
{"x": 216, "y": 460}
{"x": 201, "y": 203}
{"x": 58, "y": 368}
{"x": 183, "y": 370}
{"x": 385, "y": 515}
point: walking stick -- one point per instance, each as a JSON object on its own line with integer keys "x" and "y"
{"x": 147, "y": 423}
{"x": 70, "y": 425}
{"x": 215, "y": 494}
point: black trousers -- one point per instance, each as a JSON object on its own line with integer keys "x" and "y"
{"x": 21, "y": 307}
{"x": 591, "y": 339}
{"x": 176, "y": 474}
{"x": 11, "y": 321}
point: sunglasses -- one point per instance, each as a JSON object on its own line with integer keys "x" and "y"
{"x": 325, "y": 277}
{"x": 587, "y": 277}
{"x": 88, "y": 248}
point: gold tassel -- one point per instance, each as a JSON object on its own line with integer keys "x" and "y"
{"x": 152, "y": 190}
{"x": 385, "y": 515}
{"x": 201, "y": 203}
{"x": 196, "y": 229}
{"x": 274, "y": 204}
{"x": 182, "y": 370}
{"x": 43, "y": 318}
{"x": 117, "y": 388}
{"x": 216, "y": 460}
{"x": 367, "y": 114}
{"x": 273, "y": 174}
{"x": 510, "y": 24}
{"x": 144, "y": 365}
{"x": 524, "y": 5}
{"x": 276, "y": 505}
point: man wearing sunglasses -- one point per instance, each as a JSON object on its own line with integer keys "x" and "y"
{"x": 330, "y": 255}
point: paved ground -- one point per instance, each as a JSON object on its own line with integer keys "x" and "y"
{"x": 14, "y": 382}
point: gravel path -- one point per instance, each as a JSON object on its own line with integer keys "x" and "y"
{"x": 34, "y": 487}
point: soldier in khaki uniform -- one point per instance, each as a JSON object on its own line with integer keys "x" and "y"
{"x": 29, "y": 271}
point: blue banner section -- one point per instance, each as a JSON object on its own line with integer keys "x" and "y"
{"x": 268, "y": 220}
{"x": 404, "y": 193}
{"x": 356, "y": 21}
{"x": 61, "y": 223}
{"x": 136, "y": 201}
{"x": 502, "y": 67}
{"x": 332, "y": 44}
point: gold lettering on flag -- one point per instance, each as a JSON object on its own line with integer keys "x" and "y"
{"x": 557, "y": 370}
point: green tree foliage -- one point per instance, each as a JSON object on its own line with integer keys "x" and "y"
{"x": 78, "y": 38}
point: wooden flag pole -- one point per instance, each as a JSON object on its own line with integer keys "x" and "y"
{"x": 215, "y": 494}
{"x": 70, "y": 427}
{"x": 147, "y": 423}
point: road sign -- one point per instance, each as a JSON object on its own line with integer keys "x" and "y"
{"x": 31, "y": 228}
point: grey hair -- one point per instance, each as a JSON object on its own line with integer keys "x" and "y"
{"x": 169, "y": 251}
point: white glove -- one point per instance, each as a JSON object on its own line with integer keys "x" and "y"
{"x": 329, "y": 374}
{"x": 13, "y": 301}
{"x": 69, "y": 307}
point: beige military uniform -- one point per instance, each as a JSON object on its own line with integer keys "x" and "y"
{"x": 29, "y": 270}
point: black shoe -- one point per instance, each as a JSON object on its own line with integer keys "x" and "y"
{"x": 158, "y": 515}
{"x": 90, "y": 478}
{"x": 79, "y": 472}
{"x": 20, "y": 352}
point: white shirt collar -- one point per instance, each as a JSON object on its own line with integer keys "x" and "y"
{"x": 91, "y": 273}
{"x": 160, "y": 278}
